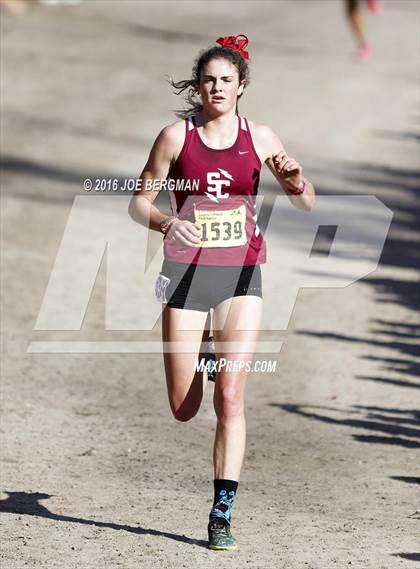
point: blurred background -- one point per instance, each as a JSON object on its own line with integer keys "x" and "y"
{"x": 84, "y": 95}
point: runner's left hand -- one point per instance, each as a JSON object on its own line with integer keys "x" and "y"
{"x": 287, "y": 168}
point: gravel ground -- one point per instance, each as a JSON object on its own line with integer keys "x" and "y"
{"x": 95, "y": 471}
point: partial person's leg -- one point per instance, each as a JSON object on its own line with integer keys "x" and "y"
{"x": 375, "y": 6}
{"x": 354, "y": 14}
{"x": 229, "y": 394}
{"x": 185, "y": 384}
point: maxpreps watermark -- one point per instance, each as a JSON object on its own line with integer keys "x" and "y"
{"x": 99, "y": 233}
{"x": 135, "y": 184}
{"x": 223, "y": 364}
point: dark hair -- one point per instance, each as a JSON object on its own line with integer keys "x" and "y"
{"x": 194, "y": 104}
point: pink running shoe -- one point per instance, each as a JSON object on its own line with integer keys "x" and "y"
{"x": 364, "y": 52}
{"x": 375, "y": 6}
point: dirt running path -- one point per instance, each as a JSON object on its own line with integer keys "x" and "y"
{"x": 95, "y": 471}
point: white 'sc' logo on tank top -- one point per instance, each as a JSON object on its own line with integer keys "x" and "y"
{"x": 215, "y": 183}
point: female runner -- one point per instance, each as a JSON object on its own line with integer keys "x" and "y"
{"x": 213, "y": 249}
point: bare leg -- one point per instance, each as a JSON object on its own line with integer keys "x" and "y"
{"x": 229, "y": 394}
{"x": 354, "y": 13}
{"x": 185, "y": 385}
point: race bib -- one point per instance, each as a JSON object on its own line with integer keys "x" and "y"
{"x": 224, "y": 228}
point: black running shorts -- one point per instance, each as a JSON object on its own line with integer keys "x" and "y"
{"x": 201, "y": 287}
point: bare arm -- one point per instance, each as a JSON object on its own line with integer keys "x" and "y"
{"x": 161, "y": 157}
{"x": 285, "y": 169}
{"x": 164, "y": 153}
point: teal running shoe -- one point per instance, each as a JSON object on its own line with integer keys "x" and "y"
{"x": 220, "y": 536}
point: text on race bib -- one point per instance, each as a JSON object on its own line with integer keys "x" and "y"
{"x": 222, "y": 228}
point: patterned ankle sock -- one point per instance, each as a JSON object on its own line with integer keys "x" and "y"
{"x": 224, "y": 497}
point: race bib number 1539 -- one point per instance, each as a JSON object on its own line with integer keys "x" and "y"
{"x": 222, "y": 228}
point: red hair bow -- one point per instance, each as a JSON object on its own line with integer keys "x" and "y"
{"x": 232, "y": 42}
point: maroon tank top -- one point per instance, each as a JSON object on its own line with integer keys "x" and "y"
{"x": 217, "y": 189}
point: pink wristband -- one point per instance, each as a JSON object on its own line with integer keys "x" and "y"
{"x": 300, "y": 189}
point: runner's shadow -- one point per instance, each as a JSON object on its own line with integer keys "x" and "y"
{"x": 392, "y": 430}
{"x": 408, "y": 479}
{"x": 409, "y": 556}
{"x": 26, "y": 503}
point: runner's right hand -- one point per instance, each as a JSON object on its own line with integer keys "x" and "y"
{"x": 184, "y": 232}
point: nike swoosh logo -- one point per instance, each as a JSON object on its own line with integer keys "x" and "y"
{"x": 243, "y": 151}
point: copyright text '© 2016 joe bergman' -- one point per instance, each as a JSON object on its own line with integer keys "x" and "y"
{"x": 133, "y": 184}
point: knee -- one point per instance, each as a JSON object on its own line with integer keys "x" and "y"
{"x": 183, "y": 415}
{"x": 229, "y": 403}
